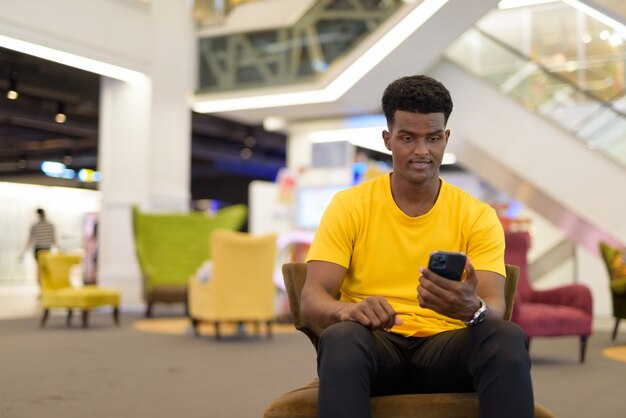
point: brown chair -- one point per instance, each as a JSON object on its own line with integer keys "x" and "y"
{"x": 302, "y": 402}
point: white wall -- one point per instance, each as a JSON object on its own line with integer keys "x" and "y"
{"x": 65, "y": 208}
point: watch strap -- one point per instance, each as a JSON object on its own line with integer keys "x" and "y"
{"x": 479, "y": 315}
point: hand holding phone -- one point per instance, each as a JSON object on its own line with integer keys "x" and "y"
{"x": 448, "y": 264}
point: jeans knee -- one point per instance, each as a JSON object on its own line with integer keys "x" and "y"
{"x": 507, "y": 342}
{"x": 345, "y": 345}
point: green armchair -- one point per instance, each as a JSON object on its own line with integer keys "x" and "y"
{"x": 171, "y": 246}
{"x": 612, "y": 257}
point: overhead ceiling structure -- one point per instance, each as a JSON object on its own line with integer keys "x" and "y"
{"x": 226, "y": 155}
{"x": 29, "y": 133}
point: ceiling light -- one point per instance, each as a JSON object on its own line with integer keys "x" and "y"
{"x": 76, "y": 61}
{"x": 586, "y": 38}
{"x": 12, "y": 93}
{"x": 249, "y": 141}
{"x": 339, "y": 86}
{"x": 605, "y": 35}
{"x": 60, "y": 116}
{"x": 615, "y": 40}
{"x": 274, "y": 123}
{"x": 245, "y": 153}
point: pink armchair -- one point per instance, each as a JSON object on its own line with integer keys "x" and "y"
{"x": 564, "y": 310}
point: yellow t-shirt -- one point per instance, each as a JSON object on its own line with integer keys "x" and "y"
{"x": 382, "y": 248}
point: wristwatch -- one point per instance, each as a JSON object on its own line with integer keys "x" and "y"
{"x": 479, "y": 315}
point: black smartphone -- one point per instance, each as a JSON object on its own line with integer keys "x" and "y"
{"x": 448, "y": 264}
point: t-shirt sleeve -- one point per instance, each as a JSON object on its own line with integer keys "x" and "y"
{"x": 334, "y": 239}
{"x": 486, "y": 243}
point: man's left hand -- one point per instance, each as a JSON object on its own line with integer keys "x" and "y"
{"x": 455, "y": 299}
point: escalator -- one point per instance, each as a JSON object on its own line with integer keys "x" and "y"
{"x": 529, "y": 155}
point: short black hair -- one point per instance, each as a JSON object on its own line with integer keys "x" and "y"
{"x": 416, "y": 93}
{"x": 41, "y": 213}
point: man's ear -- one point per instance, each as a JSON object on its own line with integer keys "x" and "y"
{"x": 447, "y": 133}
{"x": 386, "y": 139}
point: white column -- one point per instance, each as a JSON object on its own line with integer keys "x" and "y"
{"x": 145, "y": 137}
{"x": 172, "y": 73}
{"x": 124, "y": 160}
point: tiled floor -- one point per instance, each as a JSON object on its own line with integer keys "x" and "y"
{"x": 18, "y": 301}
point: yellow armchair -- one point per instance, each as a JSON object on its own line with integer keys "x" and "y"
{"x": 58, "y": 292}
{"x": 241, "y": 287}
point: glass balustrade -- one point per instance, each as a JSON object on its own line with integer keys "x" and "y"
{"x": 615, "y": 6}
{"x": 298, "y": 53}
{"x": 594, "y": 115}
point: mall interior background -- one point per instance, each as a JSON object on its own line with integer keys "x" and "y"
{"x": 538, "y": 128}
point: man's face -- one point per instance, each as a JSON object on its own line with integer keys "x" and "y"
{"x": 417, "y": 142}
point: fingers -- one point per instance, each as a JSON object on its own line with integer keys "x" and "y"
{"x": 448, "y": 297}
{"x": 375, "y": 312}
{"x": 441, "y": 282}
{"x": 438, "y": 293}
{"x": 432, "y": 286}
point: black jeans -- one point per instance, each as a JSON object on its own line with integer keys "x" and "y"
{"x": 490, "y": 359}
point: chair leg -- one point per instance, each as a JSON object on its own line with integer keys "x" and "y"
{"x": 217, "y": 331}
{"x": 44, "y": 318}
{"x": 116, "y": 315}
{"x": 257, "y": 328}
{"x": 614, "y": 335}
{"x": 195, "y": 325}
{"x": 85, "y": 318}
{"x": 68, "y": 318}
{"x": 269, "y": 329}
{"x": 583, "y": 348}
{"x": 149, "y": 310}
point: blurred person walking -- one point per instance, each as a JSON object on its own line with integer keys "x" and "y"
{"x": 42, "y": 237}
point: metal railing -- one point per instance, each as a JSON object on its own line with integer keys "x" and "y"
{"x": 596, "y": 121}
{"x": 288, "y": 55}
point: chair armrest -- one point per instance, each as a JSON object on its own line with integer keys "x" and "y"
{"x": 574, "y": 295}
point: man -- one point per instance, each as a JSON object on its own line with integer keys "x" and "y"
{"x": 391, "y": 325}
{"x": 41, "y": 237}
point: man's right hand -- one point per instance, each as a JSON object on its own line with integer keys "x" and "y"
{"x": 320, "y": 304}
{"x": 373, "y": 312}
